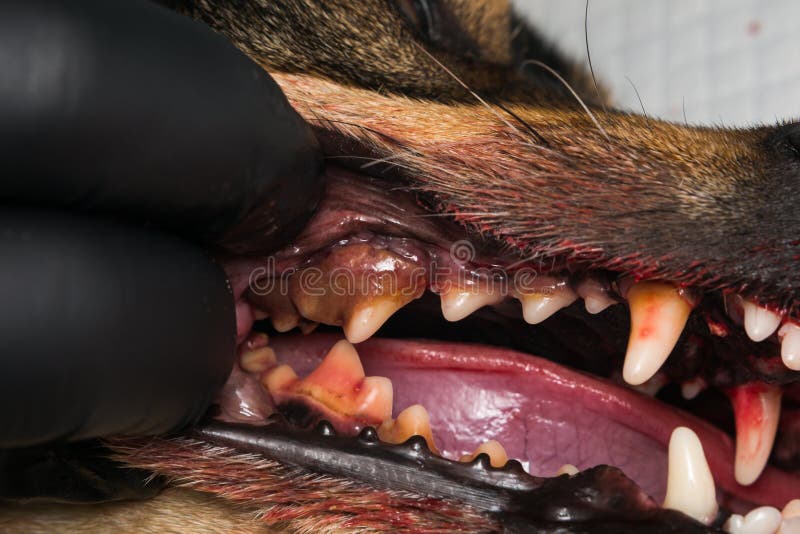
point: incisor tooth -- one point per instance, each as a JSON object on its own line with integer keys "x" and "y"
{"x": 658, "y": 315}
{"x": 792, "y": 509}
{"x": 690, "y": 484}
{"x": 790, "y": 345}
{"x": 763, "y": 520}
{"x": 759, "y": 323}
{"x": 757, "y": 408}
{"x": 791, "y": 518}
{"x": 367, "y": 319}
{"x": 458, "y": 304}
{"x": 495, "y": 451}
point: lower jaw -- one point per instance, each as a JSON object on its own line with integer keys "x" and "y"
{"x": 543, "y": 414}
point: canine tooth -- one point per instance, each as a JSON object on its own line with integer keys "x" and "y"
{"x": 658, "y": 316}
{"x": 567, "y": 469}
{"x": 692, "y": 388}
{"x": 413, "y": 421}
{"x": 458, "y": 304}
{"x": 257, "y": 360}
{"x": 763, "y": 520}
{"x": 759, "y": 322}
{"x": 367, "y": 319}
{"x": 790, "y": 345}
{"x": 690, "y": 484}
{"x": 549, "y": 296}
{"x": 757, "y": 408}
{"x": 278, "y": 378}
{"x": 495, "y": 451}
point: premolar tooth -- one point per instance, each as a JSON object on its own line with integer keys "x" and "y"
{"x": 547, "y": 297}
{"x": 257, "y": 360}
{"x": 413, "y": 421}
{"x": 792, "y": 509}
{"x": 567, "y": 469}
{"x": 757, "y": 408}
{"x": 367, "y": 319}
{"x": 595, "y": 296}
{"x": 790, "y": 345}
{"x": 279, "y": 378}
{"x": 495, "y": 451}
{"x": 658, "y": 316}
{"x": 763, "y": 520}
{"x": 458, "y": 303}
{"x": 690, "y": 484}
{"x": 759, "y": 322}
{"x": 692, "y": 388}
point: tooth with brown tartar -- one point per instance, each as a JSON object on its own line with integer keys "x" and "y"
{"x": 757, "y": 409}
{"x": 544, "y": 299}
{"x": 658, "y": 316}
{"x": 460, "y": 303}
{"x": 367, "y": 319}
{"x": 762, "y": 520}
{"x": 759, "y": 322}
{"x": 413, "y": 421}
{"x": 567, "y": 469}
{"x": 493, "y": 449}
{"x": 690, "y": 484}
{"x": 790, "y": 345}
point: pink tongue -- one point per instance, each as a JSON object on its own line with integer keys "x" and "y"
{"x": 544, "y": 414}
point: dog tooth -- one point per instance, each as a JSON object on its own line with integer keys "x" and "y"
{"x": 278, "y": 378}
{"x": 658, "y": 316}
{"x": 413, "y": 421}
{"x": 259, "y": 314}
{"x": 762, "y": 520}
{"x": 285, "y": 321}
{"x": 375, "y": 398}
{"x": 759, "y": 322}
{"x": 792, "y": 509}
{"x": 757, "y": 408}
{"x": 367, "y": 319}
{"x": 653, "y": 385}
{"x": 790, "y": 345}
{"x": 306, "y": 326}
{"x": 692, "y": 388}
{"x": 495, "y": 451}
{"x": 690, "y": 484}
{"x": 791, "y": 518}
{"x": 550, "y": 295}
{"x": 458, "y": 304}
{"x": 595, "y": 297}
{"x": 567, "y": 469}
{"x": 257, "y": 360}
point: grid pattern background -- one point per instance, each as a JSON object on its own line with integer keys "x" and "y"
{"x": 729, "y": 62}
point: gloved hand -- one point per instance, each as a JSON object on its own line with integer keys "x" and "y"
{"x": 123, "y": 126}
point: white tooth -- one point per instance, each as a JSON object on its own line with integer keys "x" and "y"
{"x": 536, "y": 307}
{"x": 567, "y": 469}
{"x": 458, "y": 304}
{"x": 792, "y": 509}
{"x": 790, "y": 525}
{"x": 595, "y": 299}
{"x": 757, "y": 409}
{"x": 652, "y": 386}
{"x": 759, "y": 323}
{"x": 763, "y": 520}
{"x": 790, "y": 345}
{"x": 690, "y": 485}
{"x": 692, "y": 388}
{"x": 658, "y": 315}
{"x": 366, "y": 320}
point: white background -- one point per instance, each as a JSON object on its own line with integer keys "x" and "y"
{"x": 729, "y": 62}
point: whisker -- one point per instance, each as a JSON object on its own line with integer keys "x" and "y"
{"x": 589, "y": 56}
{"x": 571, "y": 90}
{"x": 635, "y": 90}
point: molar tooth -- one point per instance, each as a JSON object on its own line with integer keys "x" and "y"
{"x": 413, "y": 421}
{"x": 757, "y": 408}
{"x": 759, "y": 322}
{"x": 495, "y": 451}
{"x": 763, "y": 520}
{"x": 658, "y": 316}
{"x": 367, "y": 319}
{"x": 547, "y": 297}
{"x": 567, "y": 469}
{"x": 460, "y": 303}
{"x": 790, "y": 345}
{"x": 690, "y": 484}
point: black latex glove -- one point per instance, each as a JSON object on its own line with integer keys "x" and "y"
{"x": 122, "y": 124}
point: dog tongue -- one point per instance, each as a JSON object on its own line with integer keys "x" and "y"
{"x": 545, "y": 415}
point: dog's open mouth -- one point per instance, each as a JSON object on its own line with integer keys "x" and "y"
{"x": 478, "y": 351}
